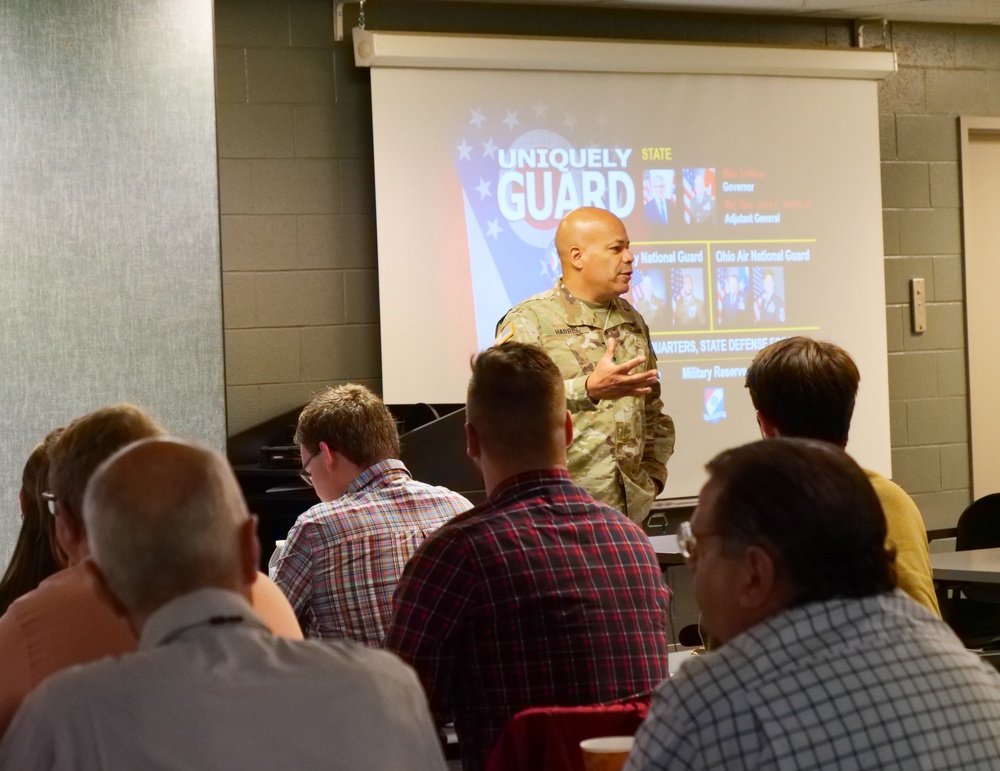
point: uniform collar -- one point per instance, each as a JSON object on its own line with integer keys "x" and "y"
{"x": 580, "y": 313}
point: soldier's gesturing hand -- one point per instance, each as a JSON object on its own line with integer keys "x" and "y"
{"x": 613, "y": 381}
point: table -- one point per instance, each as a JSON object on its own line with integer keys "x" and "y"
{"x": 667, "y": 551}
{"x": 975, "y": 566}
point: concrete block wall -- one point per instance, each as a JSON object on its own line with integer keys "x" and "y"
{"x": 300, "y": 294}
{"x": 944, "y": 71}
{"x": 298, "y": 243}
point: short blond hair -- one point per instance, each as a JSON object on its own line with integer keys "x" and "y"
{"x": 351, "y": 420}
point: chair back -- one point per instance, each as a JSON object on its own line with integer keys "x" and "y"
{"x": 979, "y": 524}
{"x": 979, "y": 528}
{"x": 548, "y": 738}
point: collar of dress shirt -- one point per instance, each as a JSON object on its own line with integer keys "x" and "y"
{"x": 191, "y": 610}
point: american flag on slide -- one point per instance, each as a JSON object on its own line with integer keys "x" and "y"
{"x": 676, "y": 288}
{"x": 758, "y": 282}
{"x": 689, "y": 192}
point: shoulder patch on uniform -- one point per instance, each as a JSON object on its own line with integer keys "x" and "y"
{"x": 504, "y": 335}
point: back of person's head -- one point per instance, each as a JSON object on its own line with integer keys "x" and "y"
{"x": 516, "y": 401}
{"x": 811, "y": 508}
{"x": 36, "y": 554}
{"x": 87, "y": 442}
{"x": 805, "y": 387}
{"x": 165, "y": 518}
{"x": 351, "y": 420}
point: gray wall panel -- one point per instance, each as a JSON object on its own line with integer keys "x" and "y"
{"x": 109, "y": 266}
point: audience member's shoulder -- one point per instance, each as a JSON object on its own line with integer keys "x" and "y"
{"x": 463, "y": 523}
{"x": 351, "y": 662}
{"x": 68, "y": 690}
{"x": 318, "y": 512}
{"x": 64, "y": 588}
{"x": 886, "y": 488}
{"x": 271, "y": 605}
{"x": 458, "y": 502}
{"x": 708, "y": 684}
{"x": 615, "y": 518}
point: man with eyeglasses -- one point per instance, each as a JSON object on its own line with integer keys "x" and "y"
{"x": 210, "y": 687}
{"x": 821, "y": 663}
{"x": 343, "y": 557}
{"x": 67, "y": 620}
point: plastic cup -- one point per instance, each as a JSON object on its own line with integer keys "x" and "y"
{"x": 606, "y": 753}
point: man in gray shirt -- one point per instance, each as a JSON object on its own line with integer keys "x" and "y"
{"x": 210, "y": 686}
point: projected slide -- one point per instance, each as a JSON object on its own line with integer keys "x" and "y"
{"x": 753, "y": 209}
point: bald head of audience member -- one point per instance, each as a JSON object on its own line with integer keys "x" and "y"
{"x": 593, "y": 248}
{"x": 804, "y": 387}
{"x": 167, "y": 518}
{"x": 84, "y": 444}
{"x": 782, "y": 523}
{"x": 516, "y": 413}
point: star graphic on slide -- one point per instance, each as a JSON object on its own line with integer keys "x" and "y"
{"x": 483, "y": 188}
{"x": 541, "y": 111}
{"x": 477, "y": 117}
{"x": 463, "y": 151}
{"x": 493, "y": 228}
{"x": 511, "y": 120}
{"x": 570, "y": 122}
{"x": 489, "y": 148}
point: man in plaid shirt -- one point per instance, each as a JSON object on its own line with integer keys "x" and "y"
{"x": 343, "y": 557}
{"x": 822, "y": 664}
{"x": 542, "y": 595}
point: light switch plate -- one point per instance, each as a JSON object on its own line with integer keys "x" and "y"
{"x": 918, "y": 305}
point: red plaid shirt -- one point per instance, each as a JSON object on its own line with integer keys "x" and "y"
{"x": 542, "y": 596}
{"x": 342, "y": 559}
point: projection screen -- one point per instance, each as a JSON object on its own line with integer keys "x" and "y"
{"x": 748, "y": 180}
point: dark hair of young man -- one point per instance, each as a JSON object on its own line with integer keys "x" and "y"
{"x": 806, "y": 388}
{"x": 516, "y": 399}
{"x": 812, "y": 509}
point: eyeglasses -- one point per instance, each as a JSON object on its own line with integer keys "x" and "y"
{"x": 307, "y": 476}
{"x": 51, "y": 503}
{"x": 686, "y": 540}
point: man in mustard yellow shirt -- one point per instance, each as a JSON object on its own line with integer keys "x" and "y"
{"x": 806, "y": 388}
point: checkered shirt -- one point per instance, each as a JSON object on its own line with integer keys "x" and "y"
{"x": 844, "y": 684}
{"x": 540, "y": 597}
{"x": 342, "y": 559}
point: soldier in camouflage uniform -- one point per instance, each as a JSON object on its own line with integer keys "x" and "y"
{"x": 621, "y": 439}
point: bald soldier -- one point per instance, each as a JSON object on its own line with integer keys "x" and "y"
{"x": 622, "y": 438}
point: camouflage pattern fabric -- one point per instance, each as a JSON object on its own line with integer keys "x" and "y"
{"x": 619, "y": 446}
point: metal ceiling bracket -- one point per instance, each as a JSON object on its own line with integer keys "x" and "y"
{"x": 338, "y": 18}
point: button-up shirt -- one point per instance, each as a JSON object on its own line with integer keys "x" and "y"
{"x": 542, "y": 596}
{"x": 211, "y": 688}
{"x": 342, "y": 559}
{"x": 877, "y": 682}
